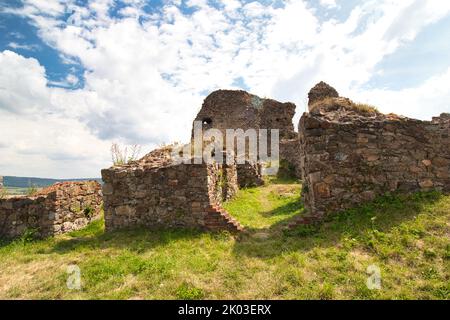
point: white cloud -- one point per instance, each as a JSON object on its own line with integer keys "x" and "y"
{"x": 22, "y": 84}
{"x": 39, "y": 134}
{"x": 145, "y": 81}
{"x": 29, "y": 47}
{"x": 328, "y": 3}
{"x": 428, "y": 100}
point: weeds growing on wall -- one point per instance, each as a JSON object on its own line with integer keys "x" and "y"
{"x": 32, "y": 190}
{"x": 125, "y": 155}
{"x": 88, "y": 212}
{"x": 345, "y": 104}
{"x": 3, "y": 193}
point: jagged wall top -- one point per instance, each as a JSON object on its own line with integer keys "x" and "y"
{"x": 238, "y": 109}
{"x": 320, "y": 92}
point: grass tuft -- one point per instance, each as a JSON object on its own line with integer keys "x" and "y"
{"x": 344, "y": 103}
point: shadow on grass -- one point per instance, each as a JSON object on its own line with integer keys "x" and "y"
{"x": 381, "y": 215}
{"x": 136, "y": 240}
{"x": 286, "y": 209}
{"x": 282, "y": 180}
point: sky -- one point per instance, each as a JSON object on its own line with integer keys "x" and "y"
{"x": 78, "y": 75}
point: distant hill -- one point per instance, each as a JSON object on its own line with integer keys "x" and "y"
{"x": 24, "y": 182}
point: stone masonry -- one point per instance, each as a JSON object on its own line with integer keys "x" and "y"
{"x": 158, "y": 192}
{"x": 320, "y": 92}
{"x": 236, "y": 109}
{"x": 350, "y": 154}
{"x": 58, "y": 209}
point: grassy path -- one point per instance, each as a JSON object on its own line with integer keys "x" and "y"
{"x": 266, "y": 206}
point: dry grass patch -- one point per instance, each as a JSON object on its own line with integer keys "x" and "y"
{"x": 343, "y": 103}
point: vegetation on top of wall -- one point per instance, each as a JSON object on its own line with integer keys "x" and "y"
{"x": 366, "y": 108}
{"x": 344, "y": 103}
{"x": 3, "y": 193}
{"x": 124, "y": 155}
{"x": 32, "y": 190}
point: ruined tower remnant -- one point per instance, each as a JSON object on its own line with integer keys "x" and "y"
{"x": 351, "y": 153}
{"x": 320, "y": 92}
{"x": 1, "y": 182}
{"x": 237, "y": 109}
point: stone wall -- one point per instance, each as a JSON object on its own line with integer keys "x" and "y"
{"x": 156, "y": 192}
{"x": 249, "y": 175}
{"x": 351, "y": 154}
{"x": 290, "y": 161}
{"x": 60, "y": 208}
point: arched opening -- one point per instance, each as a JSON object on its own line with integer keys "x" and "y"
{"x": 207, "y": 121}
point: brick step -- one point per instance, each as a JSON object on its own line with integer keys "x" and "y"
{"x": 219, "y": 219}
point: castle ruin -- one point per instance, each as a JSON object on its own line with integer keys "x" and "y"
{"x": 157, "y": 191}
{"x": 346, "y": 154}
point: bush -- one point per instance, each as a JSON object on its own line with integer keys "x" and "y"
{"x": 29, "y": 235}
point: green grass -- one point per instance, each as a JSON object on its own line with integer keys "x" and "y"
{"x": 407, "y": 237}
{"x": 259, "y": 208}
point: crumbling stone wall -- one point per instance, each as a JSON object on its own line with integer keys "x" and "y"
{"x": 290, "y": 161}
{"x": 231, "y": 109}
{"x": 157, "y": 192}
{"x": 351, "y": 155}
{"x": 249, "y": 175}
{"x": 444, "y": 119}
{"x": 61, "y": 208}
{"x": 237, "y": 109}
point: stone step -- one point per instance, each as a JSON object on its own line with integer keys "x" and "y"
{"x": 218, "y": 218}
